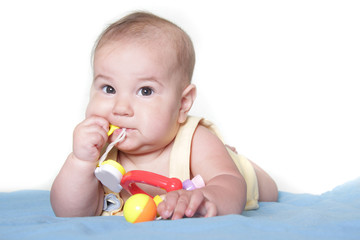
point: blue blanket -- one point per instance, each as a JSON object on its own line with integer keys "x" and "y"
{"x": 332, "y": 215}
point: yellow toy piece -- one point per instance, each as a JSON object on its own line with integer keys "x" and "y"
{"x": 112, "y": 129}
{"x": 115, "y": 164}
{"x": 157, "y": 199}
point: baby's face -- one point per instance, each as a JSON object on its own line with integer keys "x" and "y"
{"x": 136, "y": 86}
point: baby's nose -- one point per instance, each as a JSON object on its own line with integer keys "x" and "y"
{"x": 123, "y": 108}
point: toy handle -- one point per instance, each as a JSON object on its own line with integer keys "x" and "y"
{"x": 130, "y": 179}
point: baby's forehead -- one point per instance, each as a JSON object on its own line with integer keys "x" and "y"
{"x": 162, "y": 54}
{"x": 164, "y": 38}
{"x": 161, "y": 49}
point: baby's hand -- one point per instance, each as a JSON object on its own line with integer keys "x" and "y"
{"x": 186, "y": 203}
{"x": 90, "y": 137}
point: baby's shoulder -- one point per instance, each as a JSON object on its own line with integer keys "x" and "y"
{"x": 206, "y": 142}
{"x": 209, "y": 155}
{"x": 203, "y": 131}
{"x": 205, "y": 134}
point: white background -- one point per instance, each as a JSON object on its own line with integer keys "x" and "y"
{"x": 279, "y": 78}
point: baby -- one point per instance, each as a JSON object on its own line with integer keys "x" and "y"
{"x": 143, "y": 66}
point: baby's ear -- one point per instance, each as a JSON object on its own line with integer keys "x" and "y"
{"x": 187, "y": 100}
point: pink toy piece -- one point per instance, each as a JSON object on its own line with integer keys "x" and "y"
{"x": 196, "y": 182}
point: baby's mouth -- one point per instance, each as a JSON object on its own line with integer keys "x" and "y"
{"x": 117, "y": 132}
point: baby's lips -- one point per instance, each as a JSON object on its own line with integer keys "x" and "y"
{"x": 117, "y": 131}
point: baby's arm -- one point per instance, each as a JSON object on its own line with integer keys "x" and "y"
{"x": 225, "y": 190}
{"x": 76, "y": 191}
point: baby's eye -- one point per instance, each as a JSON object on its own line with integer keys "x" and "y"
{"x": 145, "y": 91}
{"x": 108, "y": 89}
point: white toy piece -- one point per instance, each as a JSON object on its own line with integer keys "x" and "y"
{"x": 110, "y": 172}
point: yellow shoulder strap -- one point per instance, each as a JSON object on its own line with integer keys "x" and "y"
{"x": 180, "y": 153}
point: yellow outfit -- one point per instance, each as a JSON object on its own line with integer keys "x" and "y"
{"x": 180, "y": 161}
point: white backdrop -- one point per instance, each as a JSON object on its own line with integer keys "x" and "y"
{"x": 279, "y": 78}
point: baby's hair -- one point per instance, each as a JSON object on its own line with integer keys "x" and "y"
{"x": 147, "y": 27}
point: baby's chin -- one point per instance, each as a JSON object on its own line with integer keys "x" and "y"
{"x": 135, "y": 143}
{"x": 127, "y": 147}
{"x": 131, "y": 148}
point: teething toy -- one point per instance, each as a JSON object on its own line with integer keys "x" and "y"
{"x": 135, "y": 210}
{"x": 139, "y": 208}
{"x": 110, "y": 172}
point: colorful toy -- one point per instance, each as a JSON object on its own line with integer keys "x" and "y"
{"x": 139, "y": 208}
{"x": 135, "y": 209}
{"x": 129, "y": 181}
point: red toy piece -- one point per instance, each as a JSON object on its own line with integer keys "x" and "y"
{"x": 129, "y": 180}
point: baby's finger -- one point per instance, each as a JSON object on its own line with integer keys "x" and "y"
{"x": 197, "y": 198}
{"x": 209, "y": 209}
{"x": 166, "y": 208}
{"x": 99, "y": 121}
{"x": 98, "y": 125}
{"x": 181, "y": 206}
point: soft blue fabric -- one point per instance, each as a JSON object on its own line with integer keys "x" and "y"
{"x": 332, "y": 215}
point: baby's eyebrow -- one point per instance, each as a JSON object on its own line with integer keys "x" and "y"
{"x": 141, "y": 79}
{"x": 151, "y": 79}
{"x": 100, "y": 76}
